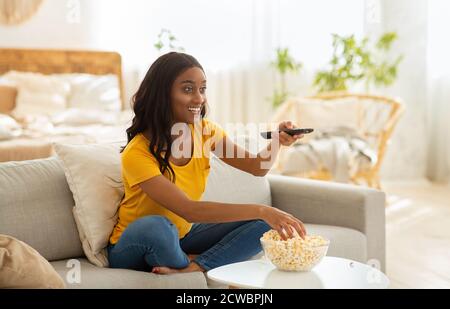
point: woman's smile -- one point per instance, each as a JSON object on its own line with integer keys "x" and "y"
{"x": 196, "y": 110}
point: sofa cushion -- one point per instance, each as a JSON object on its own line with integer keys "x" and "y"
{"x": 344, "y": 242}
{"x": 93, "y": 173}
{"x": 36, "y": 207}
{"x": 23, "y": 267}
{"x": 93, "y": 277}
{"x": 227, "y": 184}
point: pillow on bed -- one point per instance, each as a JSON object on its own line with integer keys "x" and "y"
{"x": 38, "y": 94}
{"x": 8, "y": 96}
{"x": 80, "y": 117}
{"x": 100, "y": 92}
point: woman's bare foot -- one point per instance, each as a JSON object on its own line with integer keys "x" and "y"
{"x": 192, "y": 257}
{"x": 192, "y": 267}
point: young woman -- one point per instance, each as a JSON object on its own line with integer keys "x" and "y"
{"x": 163, "y": 226}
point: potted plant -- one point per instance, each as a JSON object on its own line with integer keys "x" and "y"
{"x": 166, "y": 39}
{"x": 283, "y": 64}
{"x": 356, "y": 61}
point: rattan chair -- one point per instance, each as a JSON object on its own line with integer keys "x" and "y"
{"x": 376, "y": 119}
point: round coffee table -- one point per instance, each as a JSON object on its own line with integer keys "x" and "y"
{"x": 330, "y": 273}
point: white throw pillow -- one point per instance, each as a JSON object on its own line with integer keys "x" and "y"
{"x": 93, "y": 173}
{"x": 100, "y": 92}
{"x": 38, "y": 93}
{"x": 78, "y": 117}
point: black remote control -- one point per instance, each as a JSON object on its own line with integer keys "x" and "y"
{"x": 292, "y": 132}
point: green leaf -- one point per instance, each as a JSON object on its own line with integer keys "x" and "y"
{"x": 284, "y": 63}
{"x": 166, "y": 39}
{"x": 158, "y": 46}
{"x": 355, "y": 60}
{"x": 278, "y": 97}
{"x": 386, "y": 40}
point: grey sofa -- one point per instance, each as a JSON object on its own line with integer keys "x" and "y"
{"x": 36, "y": 207}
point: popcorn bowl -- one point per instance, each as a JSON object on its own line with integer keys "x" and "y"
{"x": 294, "y": 254}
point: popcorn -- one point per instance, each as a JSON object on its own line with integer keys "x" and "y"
{"x": 294, "y": 254}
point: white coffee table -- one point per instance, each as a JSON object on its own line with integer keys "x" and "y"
{"x": 330, "y": 273}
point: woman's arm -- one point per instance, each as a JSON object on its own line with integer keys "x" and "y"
{"x": 260, "y": 164}
{"x": 164, "y": 192}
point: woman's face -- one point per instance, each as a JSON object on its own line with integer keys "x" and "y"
{"x": 188, "y": 95}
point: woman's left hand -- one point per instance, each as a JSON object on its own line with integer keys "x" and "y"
{"x": 286, "y": 139}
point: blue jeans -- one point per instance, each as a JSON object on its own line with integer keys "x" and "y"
{"x": 153, "y": 241}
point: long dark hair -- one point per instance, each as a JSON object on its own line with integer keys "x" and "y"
{"x": 152, "y": 108}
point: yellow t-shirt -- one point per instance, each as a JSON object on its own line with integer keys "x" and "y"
{"x": 139, "y": 165}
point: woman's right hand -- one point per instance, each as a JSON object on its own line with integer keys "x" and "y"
{"x": 283, "y": 222}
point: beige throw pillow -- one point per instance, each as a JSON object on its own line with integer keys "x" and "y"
{"x": 93, "y": 173}
{"x": 22, "y": 267}
{"x": 8, "y": 95}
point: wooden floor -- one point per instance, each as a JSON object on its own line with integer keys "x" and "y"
{"x": 418, "y": 234}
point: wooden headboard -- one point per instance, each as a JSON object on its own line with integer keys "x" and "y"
{"x": 63, "y": 61}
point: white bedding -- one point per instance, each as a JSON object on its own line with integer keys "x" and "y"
{"x": 40, "y": 94}
{"x": 38, "y": 134}
{"x": 73, "y": 121}
{"x": 65, "y": 108}
{"x": 9, "y": 128}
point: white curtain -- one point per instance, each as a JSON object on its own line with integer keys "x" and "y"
{"x": 240, "y": 88}
{"x": 235, "y": 41}
{"x": 438, "y": 91}
{"x": 241, "y": 92}
{"x": 420, "y": 144}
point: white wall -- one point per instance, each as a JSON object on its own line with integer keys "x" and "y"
{"x": 50, "y": 28}
{"x": 56, "y": 25}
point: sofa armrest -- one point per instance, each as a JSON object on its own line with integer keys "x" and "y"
{"x": 327, "y": 203}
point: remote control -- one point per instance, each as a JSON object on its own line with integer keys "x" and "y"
{"x": 292, "y": 132}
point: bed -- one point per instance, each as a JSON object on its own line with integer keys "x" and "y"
{"x": 31, "y": 135}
